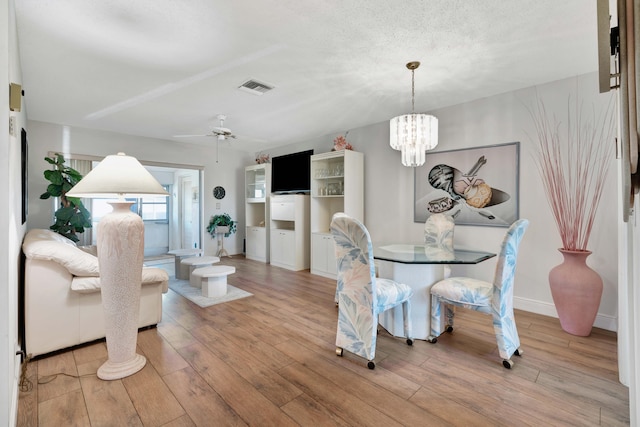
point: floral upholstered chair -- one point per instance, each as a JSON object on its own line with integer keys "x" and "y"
{"x": 361, "y": 296}
{"x": 438, "y": 231}
{"x": 494, "y": 298}
{"x": 438, "y": 239}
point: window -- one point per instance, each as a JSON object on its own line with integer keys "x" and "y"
{"x": 150, "y": 208}
{"x": 154, "y": 208}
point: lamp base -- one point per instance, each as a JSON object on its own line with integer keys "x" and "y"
{"x": 114, "y": 370}
{"x": 120, "y": 256}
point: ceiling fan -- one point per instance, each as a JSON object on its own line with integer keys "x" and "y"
{"x": 220, "y": 132}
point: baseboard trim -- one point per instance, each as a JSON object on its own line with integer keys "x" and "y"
{"x": 15, "y": 395}
{"x": 609, "y": 323}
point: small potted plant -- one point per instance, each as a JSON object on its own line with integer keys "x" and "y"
{"x": 222, "y": 223}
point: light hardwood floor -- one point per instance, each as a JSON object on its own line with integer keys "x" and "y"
{"x": 269, "y": 360}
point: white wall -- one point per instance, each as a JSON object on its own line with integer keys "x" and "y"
{"x": 499, "y": 119}
{"x": 12, "y": 231}
{"x": 228, "y": 172}
{"x": 629, "y": 300}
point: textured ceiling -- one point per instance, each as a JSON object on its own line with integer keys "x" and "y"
{"x": 163, "y": 68}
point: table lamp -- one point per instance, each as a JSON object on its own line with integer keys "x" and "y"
{"x": 120, "y": 238}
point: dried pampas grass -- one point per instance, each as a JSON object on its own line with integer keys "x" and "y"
{"x": 573, "y": 167}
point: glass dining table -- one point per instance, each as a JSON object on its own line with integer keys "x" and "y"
{"x": 419, "y": 266}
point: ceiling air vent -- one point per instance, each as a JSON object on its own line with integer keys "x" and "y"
{"x": 255, "y": 87}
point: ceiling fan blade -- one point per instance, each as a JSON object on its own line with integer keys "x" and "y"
{"x": 226, "y": 137}
{"x": 220, "y": 130}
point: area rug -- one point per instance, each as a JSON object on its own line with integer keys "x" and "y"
{"x": 195, "y": 294}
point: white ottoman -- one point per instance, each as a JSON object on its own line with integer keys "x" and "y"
{"x": 213, "y": 279}
{"x": 182, "y": 271}
{"x": 197, "y": 262}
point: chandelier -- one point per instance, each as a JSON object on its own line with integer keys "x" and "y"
{"x": 413, "y": 134}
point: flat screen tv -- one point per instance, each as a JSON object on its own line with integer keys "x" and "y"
{"x": 291, "y": 173}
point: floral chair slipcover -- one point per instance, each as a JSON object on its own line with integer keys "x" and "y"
{"x": 361, "y": 296}
{"x": 438, "y": 231}
{"x": 438, "y": 239}
{"x": 494, "y": 298}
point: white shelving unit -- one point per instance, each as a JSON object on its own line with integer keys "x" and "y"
{"x": 290, "y": 231}
{"x": 337, "y": 185}
{"x": 257, "y": 180}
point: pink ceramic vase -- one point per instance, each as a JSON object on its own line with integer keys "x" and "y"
{"x": 576, "y": 290}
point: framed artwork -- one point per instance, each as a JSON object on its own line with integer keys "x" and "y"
{"x": 24, "y": 147}
{"x": 476, "y": 186}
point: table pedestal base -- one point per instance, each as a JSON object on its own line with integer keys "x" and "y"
{"x": 420, "y": 277}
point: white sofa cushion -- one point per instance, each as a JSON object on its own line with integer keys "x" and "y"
{"x": 49, "y": 246}
{"x": 85, "y": 285}
{"x": 90, "y": 249}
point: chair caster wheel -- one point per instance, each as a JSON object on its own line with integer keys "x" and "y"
{"x": 432, "y": 339}
{"x": 518, "y": 352}
{"x": 507, "y": 363}
{"x": 409, "y": 341}
{"x": 371, "y": 365}
{"x": 339, "y": 352}
{"x": 449, "y": 328}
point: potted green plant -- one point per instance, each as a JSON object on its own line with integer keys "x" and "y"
{"x": 72, "y": 217}
{"x": 221, "y": 220}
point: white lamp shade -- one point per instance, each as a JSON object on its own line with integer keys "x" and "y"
{"x": 117, "y": 176}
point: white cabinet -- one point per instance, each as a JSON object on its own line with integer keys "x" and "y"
{"x": 337, "y": 185}
{"x": 283, "y": 208}
{"x": 290, "y": 231}
{"x": 283, "y": 245}
{"x": 257, "y": 180}
{"x": 257, "y": 187}
{"x": 323, "y": 260}
{"x": 256, "y": 243}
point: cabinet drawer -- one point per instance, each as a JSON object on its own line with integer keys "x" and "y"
{"x": 283, "y": 211}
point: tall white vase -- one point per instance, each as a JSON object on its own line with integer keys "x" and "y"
{"x": 120, "y": 256}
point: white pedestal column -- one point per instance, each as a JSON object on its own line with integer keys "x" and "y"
{"x": 420, "y": 277}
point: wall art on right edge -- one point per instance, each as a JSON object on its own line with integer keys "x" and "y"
{"x": 24, "y": 147}
{"x": 476, "y": 186}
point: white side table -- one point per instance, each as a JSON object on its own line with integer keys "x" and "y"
{"x": 182, "y": 271}
{"x": 197, "y": 262}
{"x": 213, "y": 279}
